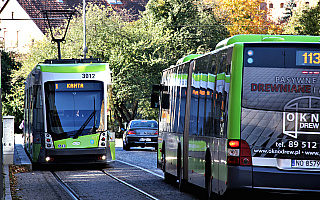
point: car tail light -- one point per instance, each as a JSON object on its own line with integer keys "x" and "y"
{"x": 156, "y": 133}
{"x": 239, "y": 153}
{"x": 131, "y": 132}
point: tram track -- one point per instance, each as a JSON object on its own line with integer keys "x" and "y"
{"x": 75, "y": 196}
{"x": 129, "y": 185}
{"x": 66, "y": 187}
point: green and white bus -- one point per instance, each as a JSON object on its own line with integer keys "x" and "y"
{"x": 244, "y": 116}
{"x": 66, "y": 107}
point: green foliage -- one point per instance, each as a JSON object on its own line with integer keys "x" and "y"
{"x": 309, "y": 21}
{"x": 10, "y": 104}
{"x": 188, "y": 26}
{"x": 136, "y": 51}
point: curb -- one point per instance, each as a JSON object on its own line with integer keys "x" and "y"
{"x": 7, "y": 192}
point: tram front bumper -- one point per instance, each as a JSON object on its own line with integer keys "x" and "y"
{"x": 76, "y": 156}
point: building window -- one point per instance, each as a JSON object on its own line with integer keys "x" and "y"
{"x": 307, "y": 2}
{"x": 281, "y": 5}
{"x": 270, "y": 5}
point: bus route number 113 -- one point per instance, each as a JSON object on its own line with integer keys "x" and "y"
{"x": 311, "y": 58}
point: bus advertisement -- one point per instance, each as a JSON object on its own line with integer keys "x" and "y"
{"x": 244, "y": 116}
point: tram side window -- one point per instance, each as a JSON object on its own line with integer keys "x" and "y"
{"x": 30, "y": 120}
{"x": 26, "y": 123}
{"x": 38, "y": 110}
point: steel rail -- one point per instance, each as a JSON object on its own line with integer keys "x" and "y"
{"x": 65, "y": 186}
{"x": 129, "y": 185}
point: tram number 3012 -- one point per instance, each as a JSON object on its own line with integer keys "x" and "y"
{"x": 88, "y": 75}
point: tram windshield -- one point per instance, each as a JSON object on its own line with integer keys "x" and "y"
{"x": 73, "y": 107}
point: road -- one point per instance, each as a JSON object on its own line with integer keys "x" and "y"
{"x": 134, "y": 175}
{"x": 136, "y": 169}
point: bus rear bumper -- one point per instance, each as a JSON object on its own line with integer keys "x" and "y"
{"x": 271, "y": 178}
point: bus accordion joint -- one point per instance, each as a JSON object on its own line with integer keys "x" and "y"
{"x": 239, "y": 153}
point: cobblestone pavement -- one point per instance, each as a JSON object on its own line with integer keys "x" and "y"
{"x": 147, "y": 182}
{"x": 94, "y": 184}
{"x": 142, "y": 157}
{"x": 39, "y": 185}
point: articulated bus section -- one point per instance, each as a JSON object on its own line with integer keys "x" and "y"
{"x": 245, "y": 116}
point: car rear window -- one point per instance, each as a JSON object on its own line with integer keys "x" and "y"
{"x": 144, "y": 124}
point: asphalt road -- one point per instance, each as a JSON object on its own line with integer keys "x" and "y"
{"x": 137, "y": 168}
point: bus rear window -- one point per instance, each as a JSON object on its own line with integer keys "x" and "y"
{"x": 275, "y": 75}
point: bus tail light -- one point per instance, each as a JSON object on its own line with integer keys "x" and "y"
{"x": 239, "y": 153}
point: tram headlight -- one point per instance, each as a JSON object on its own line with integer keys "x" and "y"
{"x": 48, "y": 159}
{"x": 103, "y": 157}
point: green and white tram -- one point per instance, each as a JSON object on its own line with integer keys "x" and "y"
{"x": 245, "y": 116}
{"x": 66, "y": 103}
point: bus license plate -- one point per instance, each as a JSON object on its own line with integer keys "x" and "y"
{"x": 309, "y": 164}
{"x": 145, "y": 140}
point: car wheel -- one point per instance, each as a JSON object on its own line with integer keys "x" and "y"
{"x": 127, "y": 147}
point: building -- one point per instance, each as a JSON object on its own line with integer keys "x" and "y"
{"x": 278, "y": 9}
{"x": 22, "y": 22}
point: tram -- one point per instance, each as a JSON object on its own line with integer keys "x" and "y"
{"x": 65, "y": 120}
{"x": 244, "y": 116}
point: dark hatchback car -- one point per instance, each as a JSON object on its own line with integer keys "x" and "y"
{"x": 141, "y": 133}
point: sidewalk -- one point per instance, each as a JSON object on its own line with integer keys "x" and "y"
{"x": 19, "y": 158}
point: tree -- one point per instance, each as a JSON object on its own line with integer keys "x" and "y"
{"x": 128, "y": 47}
{"x": 245, "y": 16}
{"x": 309, "y": 21}
{"x": 9, "y": 104}
{"x": 136, "y": 51}
{"x": 188, "y": 26}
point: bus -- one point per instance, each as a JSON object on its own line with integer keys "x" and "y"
{"x": 244, "y": 116}
{"x": 66, "y": 113}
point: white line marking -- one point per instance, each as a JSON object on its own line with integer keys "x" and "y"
{"x": 146, "y": 170}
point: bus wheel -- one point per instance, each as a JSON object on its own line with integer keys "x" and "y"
{"x": 208, "y": 180}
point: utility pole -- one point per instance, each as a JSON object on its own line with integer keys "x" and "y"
{"x": 85, "y": 49}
